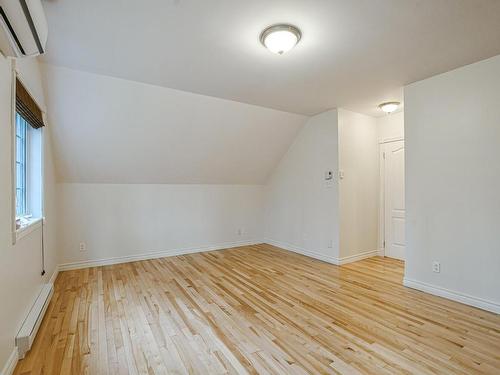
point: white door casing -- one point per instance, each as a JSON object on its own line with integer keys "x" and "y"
{"x": 394, "y": 199}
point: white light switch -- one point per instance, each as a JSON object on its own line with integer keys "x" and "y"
{"x": 329, "y": 178}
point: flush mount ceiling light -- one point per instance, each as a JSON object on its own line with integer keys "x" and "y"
{"x": 389, "y": 107}
{"x": 280, "y": 38}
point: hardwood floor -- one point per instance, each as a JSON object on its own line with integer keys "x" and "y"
{"x": 257, "y": 309}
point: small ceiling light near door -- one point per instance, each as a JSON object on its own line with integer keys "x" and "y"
{"x": 280, "y": 38}
{"x": 389, "y": 107}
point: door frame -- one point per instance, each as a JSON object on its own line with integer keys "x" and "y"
{"x": 381, "y": 211}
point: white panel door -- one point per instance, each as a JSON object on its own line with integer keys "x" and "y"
{"x": 394, "y": 183}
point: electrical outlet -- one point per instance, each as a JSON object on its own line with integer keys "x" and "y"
{"x": 83, "y": 246}
{"x": 436, "y": 267}
{"x": 241, "y": 231}
{"x": 330, "y": 244}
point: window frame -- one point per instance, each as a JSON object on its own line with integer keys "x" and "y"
{"x": 30, "y": 223}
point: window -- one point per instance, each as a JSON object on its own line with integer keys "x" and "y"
{"x": 28, "y": 171}
{"x": 21, "y": 140}
{"x": 28, "y": 160}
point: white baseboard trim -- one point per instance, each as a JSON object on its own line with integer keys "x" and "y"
{"x": 452, "y": 295}
{"x": 53, "y": 278}
{"x": 153, "y": 255}
{"x": 11, "y": 363}
{"x": 302, "y": 251}
{"x": 357, "y": 257}
{"x": 324, "y": 258}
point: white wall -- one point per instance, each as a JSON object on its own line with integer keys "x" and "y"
{"x": 145, "y": 169}
{"x": 125, "y": 220}
{"x": 301, "y": 211}
{"x": 390, "y": 126}
{"x": 20, "y": 264}
{"x": 452, "y": 130}
{"x": 359, "y": 189}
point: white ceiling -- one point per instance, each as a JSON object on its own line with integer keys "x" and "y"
{"x": 109, "y": 130}
{"x": 354, "y": 53}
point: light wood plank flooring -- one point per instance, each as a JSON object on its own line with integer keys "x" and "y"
{"x": 257, "y": 309}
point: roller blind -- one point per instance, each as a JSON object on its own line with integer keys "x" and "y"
{"x": 27, "y": 107}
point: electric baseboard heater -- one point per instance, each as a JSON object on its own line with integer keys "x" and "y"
{"x": 27, "y": 333}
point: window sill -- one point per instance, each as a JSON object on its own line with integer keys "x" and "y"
{"x": 29, "y": 227}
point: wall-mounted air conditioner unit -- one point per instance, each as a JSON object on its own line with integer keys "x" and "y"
{"x": 23, "y": 28}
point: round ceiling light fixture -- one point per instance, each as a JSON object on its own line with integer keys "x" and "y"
{"x": 389, "y": 107}
{"x": 280, "y": 38}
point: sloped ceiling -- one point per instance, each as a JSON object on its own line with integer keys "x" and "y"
{"x": 114, "y": 68}
{"x": 110, "y": 130}
{"x": 354, "y": 53}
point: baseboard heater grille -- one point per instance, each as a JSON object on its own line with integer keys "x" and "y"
{"x": 28, "y": 331}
